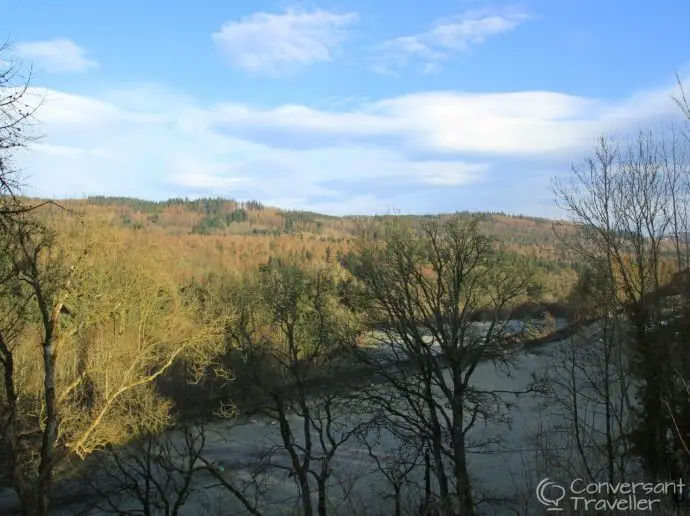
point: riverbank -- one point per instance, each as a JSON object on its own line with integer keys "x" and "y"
{"x": 354, "y": 369}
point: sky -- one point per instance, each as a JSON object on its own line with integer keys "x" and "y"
{"x": 338, "y": 106}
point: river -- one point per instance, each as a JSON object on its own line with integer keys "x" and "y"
{"x": 509, "y": 470}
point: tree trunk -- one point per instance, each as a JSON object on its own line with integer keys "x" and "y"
{"x": 610, "y": 451}
{"x": 426, "y": 503}
{"x": 45, "y": 469}
{"x": 462, "y": 480}
{"x": 10, "y": 430}
{"x": 306, "y": 495}
{"x": 322, "y": 494}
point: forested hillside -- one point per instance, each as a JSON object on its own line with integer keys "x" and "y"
{"x": 214, "y": 235}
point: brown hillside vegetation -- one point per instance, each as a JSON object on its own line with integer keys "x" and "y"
{"x": 219, "y": 235}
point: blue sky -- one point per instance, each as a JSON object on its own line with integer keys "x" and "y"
{"x": 339, "y": 106}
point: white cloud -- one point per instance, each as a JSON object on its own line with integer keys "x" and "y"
{"x": 357, "y": 205}
{"x": 57, "y": 55}
{"x": 66, "y": 109}
{"x": 59, "y": 150}
{"x": 446, "y": 39}
{"x": 523, "y": 123}
{"x": 530, "y": 123}
{"x": 207, "y": 182}
{"x": 449, "y": 173}
{"x": 152, "y": 142}
{"x": 273, "y": 43}
{"x": 198, "y": 175}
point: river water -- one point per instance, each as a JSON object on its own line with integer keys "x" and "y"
{"x": 508, "y": 471}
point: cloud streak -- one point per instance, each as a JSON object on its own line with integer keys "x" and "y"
{"x": 448, "y": 123}
{"x": 276, "y": 43}
{"x": 445, "y": 39}
{"x": 57, "y": 55}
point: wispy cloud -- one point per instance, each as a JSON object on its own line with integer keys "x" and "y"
{"x": 373, "y": 154}
{"x": 206, "y": 182}
{"x": 511, "y": 124}
{"x": 445, "y": 39}
{"x": 57, "y": 55}
{"x": 275, "y": 43}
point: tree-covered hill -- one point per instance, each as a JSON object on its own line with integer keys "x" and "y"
{"x": 217, "y": 234}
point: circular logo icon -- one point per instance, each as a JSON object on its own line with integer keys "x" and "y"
{"x": 550, "y": 494}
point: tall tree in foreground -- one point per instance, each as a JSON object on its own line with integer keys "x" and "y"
{"x": 292, "y": 329}
{"x": 630, "y": 200}
{"x": 425, "y": 287}
{"x": 85, "y": 335}
{"x": 85, "y": 329}
{"x": 586, "y": 411}
{"x": 16, "y": 114}
{"x": 32, "y": 303}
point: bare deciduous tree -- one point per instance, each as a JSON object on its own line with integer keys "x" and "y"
{"x": 108, "y": 326}
{"x": 397, "y": 465}
{"x": 291, "y": 324}
{"x": 155, "y": 475}
{"x": 588, "y": 404}
{"x": 36, "y": 289}
{"x": 19, "y": 103}
{"x": 630, "y": 202}
{"x": 426, "y": 285}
